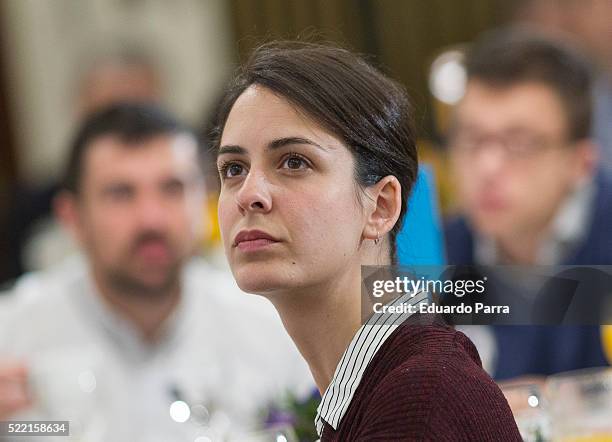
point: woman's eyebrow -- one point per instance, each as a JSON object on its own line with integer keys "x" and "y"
{"x": 232, "y": 148}
{"x": 273, "y": 145}
{"x": 281, "y": 142}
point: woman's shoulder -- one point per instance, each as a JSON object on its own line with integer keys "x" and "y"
{"x": 440, "y": 387}
{"x": 429, "y": 356}
{"x": 440, "y": 358}
{"x": 430, "y": 337}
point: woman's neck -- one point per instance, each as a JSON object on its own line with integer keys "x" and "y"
{"x": 322, "y": 321}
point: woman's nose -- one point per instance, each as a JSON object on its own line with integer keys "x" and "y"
{"x": 254, "y": 194}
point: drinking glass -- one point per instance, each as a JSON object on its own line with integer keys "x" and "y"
{"x": 580, "y": 405}
{"x": 526, "y": 403}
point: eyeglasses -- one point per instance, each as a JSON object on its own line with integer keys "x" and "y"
{"x": 515, "y": 146}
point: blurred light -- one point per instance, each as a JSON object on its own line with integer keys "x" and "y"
{"x": 87, "y": 381}
{"x": 533, "y": 401}
{"x": 203, "y": 439}
{"x": 281, "y": 438}
{"x": 200, "y": 414}
{"x": 220, "y": 422}
{"x": 447, "y": 77}
{"x": 179, "y": 411}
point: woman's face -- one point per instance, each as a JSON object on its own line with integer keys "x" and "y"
{"x": 288, "y": 209}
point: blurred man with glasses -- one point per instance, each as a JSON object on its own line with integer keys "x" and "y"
{"x": 529, "y": 187}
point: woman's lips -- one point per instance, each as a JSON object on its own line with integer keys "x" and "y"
{"x": 255, "y": 244}
{"x": 253, "y": 240}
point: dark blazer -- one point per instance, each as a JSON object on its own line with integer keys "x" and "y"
{"x": 548, "y": 349}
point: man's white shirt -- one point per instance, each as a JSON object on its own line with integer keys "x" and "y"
{"x": 224, "y": 354}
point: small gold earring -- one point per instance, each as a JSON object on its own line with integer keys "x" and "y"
{"x": 377, "y": 240}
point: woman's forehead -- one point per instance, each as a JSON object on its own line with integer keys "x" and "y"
{"x": 260, "y": 116}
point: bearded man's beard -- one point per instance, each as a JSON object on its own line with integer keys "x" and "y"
{"x": 123, "y": 282}
{"x": 126, "y": 278}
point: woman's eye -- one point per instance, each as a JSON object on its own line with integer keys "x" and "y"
{"x": 230, "y": 170}
{"x": 295, "y": 162}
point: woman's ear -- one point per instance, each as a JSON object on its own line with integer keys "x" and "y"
{"x": 386, "y": 197}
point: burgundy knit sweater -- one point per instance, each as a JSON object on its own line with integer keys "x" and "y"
{"x": 426, "y": 383}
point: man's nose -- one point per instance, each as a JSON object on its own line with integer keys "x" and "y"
{"x": 152, "y": 212}
{"x": 254, "y": 193}
{"x": 490, "y": 159}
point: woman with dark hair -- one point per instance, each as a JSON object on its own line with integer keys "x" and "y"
{"x": 317, "y": 156}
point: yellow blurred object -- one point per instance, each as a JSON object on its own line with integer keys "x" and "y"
{"x": 595, "y": 437}
{"x": 211, "y": 238}
{"x": 606, "y": 342}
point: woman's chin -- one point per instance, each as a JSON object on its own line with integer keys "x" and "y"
{"x": 257, "y": 282}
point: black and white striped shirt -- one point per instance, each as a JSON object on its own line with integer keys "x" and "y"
{"x": 362, "y": 349}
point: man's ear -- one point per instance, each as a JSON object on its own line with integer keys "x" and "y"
{"x": 586, "y": 159}
{"x": 386, "y": 199}
{"x": 66, "y": 210}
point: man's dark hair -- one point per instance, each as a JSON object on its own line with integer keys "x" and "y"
{"x": 367, "y": 111}
{"x": 516, "y": 55}
{"x": 130, "y": 122}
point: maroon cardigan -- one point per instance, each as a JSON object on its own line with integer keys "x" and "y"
{"x": 426, "y": 383}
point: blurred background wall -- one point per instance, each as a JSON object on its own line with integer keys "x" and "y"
{"x": 402, "y": 36}
{"x": 45, "y": 44}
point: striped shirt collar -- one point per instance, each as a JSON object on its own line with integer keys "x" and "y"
{"x": 362, "y": 349}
